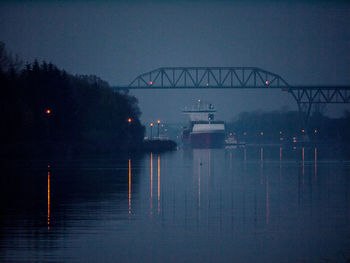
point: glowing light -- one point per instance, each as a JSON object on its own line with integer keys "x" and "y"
{"x": 150, "y": 83}
{"x": 158, "y": 121}
{"x": 151, "y": 124}
{"x": 48, "y": 111}
{"x": 129, "y": 120}
{"x": 261, "y": 133}
{"x": 244, "y": 133}
{"x": 280, "y": 132}
{"x": 316, "y": 131}
{"x": 267, "y": 82}
{"x": 302, "y": 130}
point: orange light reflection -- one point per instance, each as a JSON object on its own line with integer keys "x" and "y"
{"x": 158, "y": 184}
{"x": 280, "y": 153}
{"x": 280, "y": 163}
{"x": 267, "y": 201}
{"x": 48, "y": 200}
{"x": 199, "y": 183}
{"x": 303, "y": 168}
{"x": 261, "y": 164}
{"x": 151, "y": 198}
{"x": 129, "y": 186}
{"x": 315, "y": 162}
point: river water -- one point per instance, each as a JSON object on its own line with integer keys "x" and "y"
{"x": 254, "y": 204}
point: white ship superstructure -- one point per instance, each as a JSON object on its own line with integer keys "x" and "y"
{"x": 203, "y": 130}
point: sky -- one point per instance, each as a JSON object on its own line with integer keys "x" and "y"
{"x": 305, "y": 42}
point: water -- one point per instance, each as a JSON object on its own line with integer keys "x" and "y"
{"x": 250, "y": 204}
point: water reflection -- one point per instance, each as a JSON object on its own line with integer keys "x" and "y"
{"x": 261, "y": 164}
{"x": 316, "y": 162}
{"x": 213, "y": 205}
{"x": 129, "y": 186}
{"x": 151, "y": 192}
{"x": 267, "y": 200}
{"x": 303, "y": 163}
{"x": 158, "y": 159}
{"x": 48, "y": 199}
{"x": 199, "y": 182}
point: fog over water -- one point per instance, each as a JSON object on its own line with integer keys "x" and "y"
{"x": 306, "y": 42}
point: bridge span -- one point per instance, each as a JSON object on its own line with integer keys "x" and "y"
{"x": 240, "y": 78}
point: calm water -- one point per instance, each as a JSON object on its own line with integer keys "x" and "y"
{"x": 203, "y": 205}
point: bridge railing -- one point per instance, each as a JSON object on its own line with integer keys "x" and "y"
{"x": 208, "y": 77}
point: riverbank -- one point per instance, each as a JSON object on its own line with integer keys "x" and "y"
{"x": 40, "y": 150}
{"x": 159, "y": 145}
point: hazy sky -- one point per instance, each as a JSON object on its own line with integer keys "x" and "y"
{"x": 306, "y": 42}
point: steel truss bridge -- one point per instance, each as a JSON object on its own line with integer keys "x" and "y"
{"x": 240, "y": 78}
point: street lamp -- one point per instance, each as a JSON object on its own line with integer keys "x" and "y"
{"x": 158, "y": 122}
{"x": 151, "y": 125}
{"x": 129, "y": 120}
{"x": 48, "y": 112}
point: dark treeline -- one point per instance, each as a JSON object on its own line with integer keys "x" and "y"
{"x": 45, "y": 110}
{"x": 260, "y": 126}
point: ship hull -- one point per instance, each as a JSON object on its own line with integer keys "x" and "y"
{"x": 206, "y": 140}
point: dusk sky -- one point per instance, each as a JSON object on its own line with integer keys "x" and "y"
{"x": 305, "y": 42}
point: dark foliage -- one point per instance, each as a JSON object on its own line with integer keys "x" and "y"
{"x": 46, "y": 111}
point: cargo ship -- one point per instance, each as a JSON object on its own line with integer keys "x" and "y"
{"x": 203, "y": 131}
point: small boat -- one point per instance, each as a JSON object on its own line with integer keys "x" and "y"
{"x": 232, "y": 141}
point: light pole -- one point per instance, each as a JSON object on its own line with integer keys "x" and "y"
{"x": 151, "y": 125}
{"x": 48, "y": 113}
{"x": 158, "y": 122}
